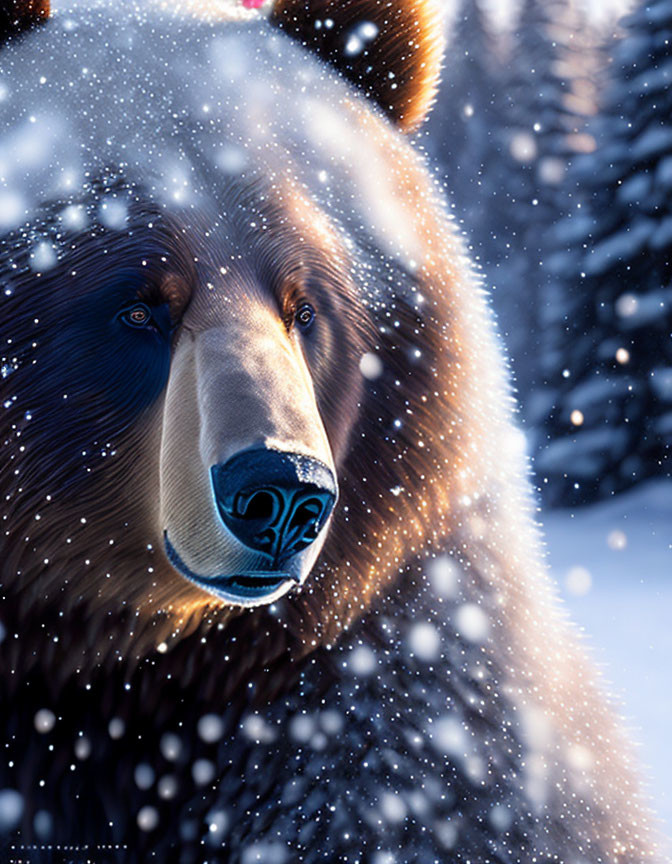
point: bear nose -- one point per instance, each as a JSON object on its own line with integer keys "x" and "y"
{"x": 274, "y": 502}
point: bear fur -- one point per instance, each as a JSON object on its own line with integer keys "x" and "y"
{"x": 420, "y": 695}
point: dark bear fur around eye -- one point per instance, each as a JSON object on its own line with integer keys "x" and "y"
{"x": 89, "y": 372}
{"x": 141, "y": 316}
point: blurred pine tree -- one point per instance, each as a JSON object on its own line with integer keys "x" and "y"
{"x": 609, "y": 355}
{"x": 504, "y": 128}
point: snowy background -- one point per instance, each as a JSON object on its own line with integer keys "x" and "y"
{"x": 612, "y": 562}
{"x": 553, "y": 133}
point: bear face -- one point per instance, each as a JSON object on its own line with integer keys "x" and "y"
{"x": 242, "y": 349}
{"x": 188, "y": 299}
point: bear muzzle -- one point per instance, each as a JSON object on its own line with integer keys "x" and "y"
{"x": 273, "y": 502}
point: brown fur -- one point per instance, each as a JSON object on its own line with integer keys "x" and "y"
{"x": 444, "y": 482}
{"x": 399, "y": 69}
{"x": 18, "y": 15}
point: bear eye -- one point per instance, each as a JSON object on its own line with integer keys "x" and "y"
{"x": 137, "y": 316}
{"x": 305, "y": 315}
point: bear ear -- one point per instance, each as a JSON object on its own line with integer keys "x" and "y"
{"x": 390, "y": 49}
{"x": 18, "y": 15}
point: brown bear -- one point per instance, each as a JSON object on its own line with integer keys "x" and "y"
{"x": 271, "y": 585}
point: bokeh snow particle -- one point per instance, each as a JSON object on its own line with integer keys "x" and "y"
{"x": 210, "y": 728}
{"x": 44, "y": 721}
{"x": 167, "y": 787}
{"x": 424, "y": 641}
{"x": 392, "y": 807}
{"x": 231, "y": 159}
{"x": 580, "y": 758}
{"x": 444, "y": 577}
{"x": 302, "y": 728}
{"x": 371, "y": 366}
{"x": 171, "y": 746}
{"x": 627, "y": 305}
{"x": 203, "y": 772}
{"x": 449, "y": 736}
{"x": 12, "y": 210}
{"x": 43, "y": 823}
{"x": 500, "y": 818}
{"x": 523, "y": 147}
{"x": 472, "y": 622}
{"x": 218, "y": 824}
{"x": 362, "y": 661}
{"x": 617, "y": 540}
{"x": 116, "y": 728}
{"x": 144, "y": 776}
{"x": 265, "y": 852}
{"x": 82, "y": 748}
{"x": 383, "y": 858}
{"x": 11, "y": 809}
{"x": 578, "y": 581}
{"x": 113, "y": 213}
{"x": 43, "y": 257}
{"x": 256, "y": 728}
{"x": 359, "y": 38}
{"x": 73, "y": 217}
{"x": 331, "y": 722}
{"x": 148, "y": 818}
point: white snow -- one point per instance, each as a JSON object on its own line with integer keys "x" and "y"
{"x": 218, "y": 823}
{"x": 637, "y": 310}
{"x": 472, "y": 622}
{"x": 171, "y": 746}
{"x": 424, "y": 641}
{"x": 148, "y": 818}
{"x": 11, "y": 809}
{"x": 256, "y": 728}
{"x": 444, "y": 577}
{"x": 362, "y": 661}
{"x": 144, "y": 776}
{"x": 500, "y": 817}
{"x": 43, "y": 257}
{"x": 265, "y": 852}
{"x": 203, "y": 771}
{"x": 449, "y": 736}
{"x": 625, "y": 545}
{"x": 82, "y": 748}
{"x": 167, "y": 787}
{"x": 210, "y": 728}
{"x": 44, "y": 721}
{"x": 392, "y": 807}
{"x": 116, "y": 728}
{"x": 301, "y": 728}
{"x": 371, "y": 366}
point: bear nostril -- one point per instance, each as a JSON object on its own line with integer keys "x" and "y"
{"x": 260, "y": 505}
{"x": 306, "y": 517}
{"x": 274, "y": 502}
{"x": 265, "y": 540}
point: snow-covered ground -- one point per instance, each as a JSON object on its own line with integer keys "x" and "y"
{"x": 613, "y": 562}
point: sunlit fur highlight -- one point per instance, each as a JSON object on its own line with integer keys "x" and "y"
{"x": 459, "y": 494}
{"x": 399, "y": 68}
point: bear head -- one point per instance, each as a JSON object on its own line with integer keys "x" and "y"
{"x": 231, "y": 344}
